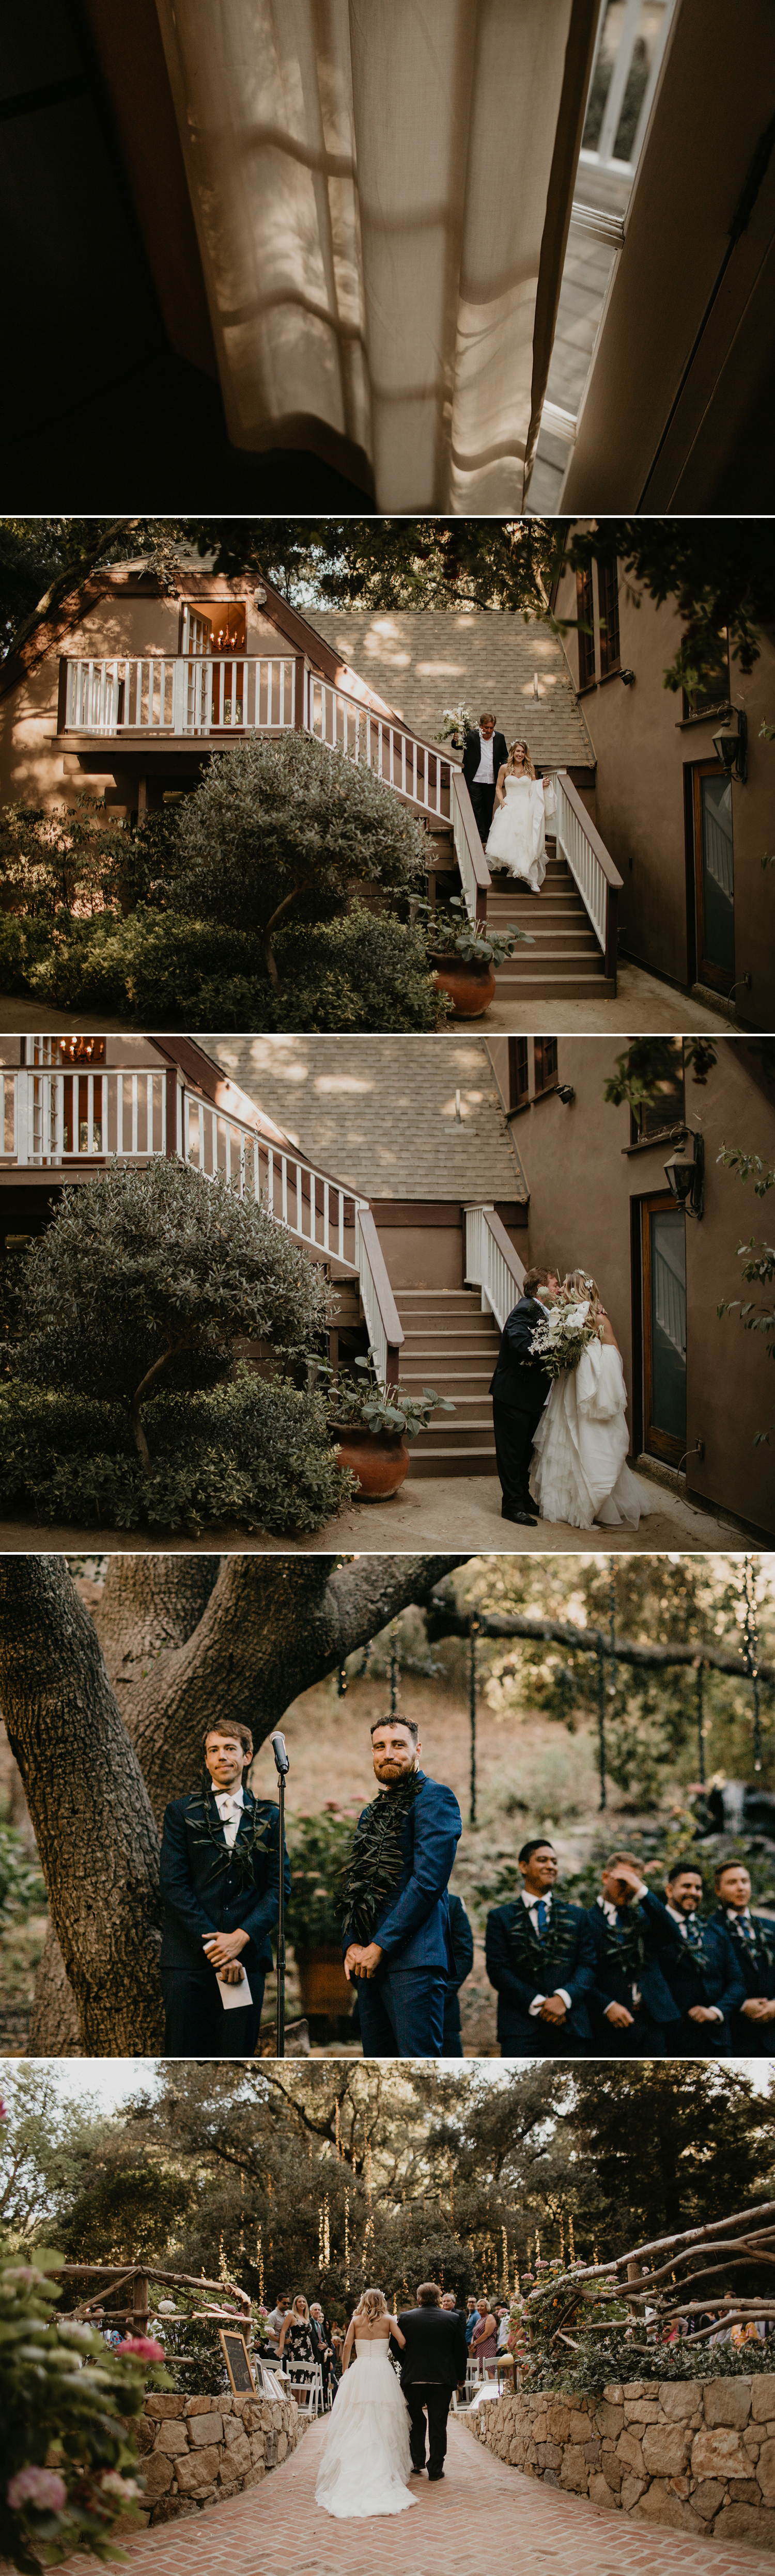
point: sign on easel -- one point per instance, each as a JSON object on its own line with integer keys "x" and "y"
{"x": 235, "y": 2354}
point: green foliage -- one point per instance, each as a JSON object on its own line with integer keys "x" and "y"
{"x": 647, "y": 1070}
{"x": 366, "y": 1400}
{"x": 277, "y": 821}
{"x": 63, "y": 2399}
{"x": 606, "y": 2361}
{"x": 159, "y": 1269}
{"x": 320, "y": 1852}
{"x": 195, "y": 2343}
{"x": 49, "y": 2144}
{"x": 22, "y": 1889}
{"x": 362, "y": 970}
{"x": 449, "y": 933}
{"x": 72, "y": 860}
{"x": 719, "y": 572}
{"x": 256, "y": 1452}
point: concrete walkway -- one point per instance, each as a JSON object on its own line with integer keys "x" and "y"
{"x": 429, "y": 1512}
{"x": 480, "y": 2516}
{"x": 643, "y": 1003}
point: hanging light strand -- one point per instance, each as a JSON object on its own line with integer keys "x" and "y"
{"x": 474, "y": 1629}
{"x": 752, "y": 1655}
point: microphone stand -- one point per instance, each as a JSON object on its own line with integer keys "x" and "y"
{"x": 280, "y": 1752}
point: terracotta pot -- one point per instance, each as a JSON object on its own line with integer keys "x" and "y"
{"x": 379, "y": 1459}
{"x": 325, "y": 1993}
{"x": 470, "y": 985}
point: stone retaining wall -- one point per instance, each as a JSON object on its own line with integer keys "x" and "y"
{"x": 697, "y": 2454}
{"x": 194, "y": 2450}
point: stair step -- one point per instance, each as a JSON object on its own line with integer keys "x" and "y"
{"x": 451, "y": 1462}
{"x": 553, "y": 986}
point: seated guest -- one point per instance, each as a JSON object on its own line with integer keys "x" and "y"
{"x": 541, "y": 1962}
{"x": 753, "y": 1942}
{"x": 700, "y": 1966}
{"x": 220, "y": 1884}
{"x": 630, "y": 2005}
{"x": 462, "y": 1939}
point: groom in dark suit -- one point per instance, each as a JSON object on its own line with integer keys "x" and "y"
{"x": 220, "y": 1881}
{"x": 433, "y": 2362}
{"x": 396, "y": 1937}
{"x": 485, "y": 753}
{"x": 519, "y": 1388}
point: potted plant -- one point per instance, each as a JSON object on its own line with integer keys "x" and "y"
{"x": 373, "y": 1425}
{"x": 465, "y": 958}
{"x": 319, "y": 1857}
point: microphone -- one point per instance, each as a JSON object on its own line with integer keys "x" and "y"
{"x": 280, "y": 1751}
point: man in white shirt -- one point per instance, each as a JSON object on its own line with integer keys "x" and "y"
{"x": 486, "y": 751}
{"x": 220, "y": 1882}
{"x": 753, "y": 1941}
{"x": 699, "y": 1963}
{"x": 539, "y": 1957}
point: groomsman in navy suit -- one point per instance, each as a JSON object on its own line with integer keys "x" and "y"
{"x": 631, "y": 2007}
{"x": 699, "y": 1963}
{"x": 220, "y": 1881}
{"x": 396, "y": 1938}
{"x": 753, "y": 1941}
{"x": 540, "y": 1959}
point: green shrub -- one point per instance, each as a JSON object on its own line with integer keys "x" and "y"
{"x": 284, "y": 822}
{"x": 320, "y": 1853}
{"x": 362, "y": 970}
{"x": 605, "y": 2361}
{"x": 254, "y": 1451}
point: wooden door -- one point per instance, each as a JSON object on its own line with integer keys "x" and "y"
{"x": 663, "y": 1288}
{"x": 714, "y": 889}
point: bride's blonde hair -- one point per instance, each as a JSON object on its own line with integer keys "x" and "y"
{"x": 371, "y": 2304}
{"x": 523, "y": 747}
{"x": 584, "y": 1286}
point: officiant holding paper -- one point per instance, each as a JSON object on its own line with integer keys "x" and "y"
{"x": 220, "y": 1882}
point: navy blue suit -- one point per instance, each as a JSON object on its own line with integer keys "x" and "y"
{"x": 402, "y": 2007}
{"x": 754, "y": 1949}
{"x": 712, "y": 1976}
{"x": 462, "y": 1940}
{"x": 519, "y": 1388}
{"x": 202, "y": 1893}
{"x": 649, "y": 2032}
{"x": 522, "y": 1964}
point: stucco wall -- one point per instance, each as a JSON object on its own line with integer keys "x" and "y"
{"x": 582, "y": 1181}
{"x": 642, "y": 748}
{"x": 698, "y": 2455}
{"x": 196, "y": 2450}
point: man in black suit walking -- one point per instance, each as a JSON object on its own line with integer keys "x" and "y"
{"x": 485, "y": 753}
{"x": 220, "y": 1881}
{"x": 433, "y": 2362}
{"x": 519, "y": 1388}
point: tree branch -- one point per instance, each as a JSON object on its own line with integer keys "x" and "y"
{"x": 587, "y": 1641}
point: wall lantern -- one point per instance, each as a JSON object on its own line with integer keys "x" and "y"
{"x": 566, "y": 1092}
{"x": 628, "y": 678}
{"x": 731, "y": 748}
{"x": 685, "y": 1174}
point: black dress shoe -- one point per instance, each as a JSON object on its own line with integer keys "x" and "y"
{"x": 417, "y": 2472}
{"x": 525, "y": 1518}
{"x": 435, "y": 2474}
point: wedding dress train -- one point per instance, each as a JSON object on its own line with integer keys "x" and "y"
{"x": 517, "y": 835}
{"x": 367, "y": 2459}
{"x": 578, "y": 1469}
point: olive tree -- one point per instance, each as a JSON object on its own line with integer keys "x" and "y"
{"x": 285, "y": 825}
{"x": 144, "y": 1275}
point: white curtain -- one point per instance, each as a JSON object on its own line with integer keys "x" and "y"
{"x": 372, "y": 183}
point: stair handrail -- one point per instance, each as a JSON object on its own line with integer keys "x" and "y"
{"x": 475, "y": 876}
{"x": 379, "y": 1306}
{"x": 591, "y": 866}
{"x": 492, "y": 1264}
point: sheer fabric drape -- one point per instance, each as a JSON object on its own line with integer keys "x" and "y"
{"x": 372, "y": 182}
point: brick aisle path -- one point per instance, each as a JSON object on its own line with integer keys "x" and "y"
{"x": 468, "y": 2523}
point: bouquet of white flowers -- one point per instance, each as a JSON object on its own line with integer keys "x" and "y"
{"x": 565, "y": 1332}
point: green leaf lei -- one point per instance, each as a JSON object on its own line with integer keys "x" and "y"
{"x": 376, "y": 1862}
{"x": 205, "y": 1827}
{"x": 546, "y": 1955}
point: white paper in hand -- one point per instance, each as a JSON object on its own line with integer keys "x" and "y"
{"x": 235, "y": 1998}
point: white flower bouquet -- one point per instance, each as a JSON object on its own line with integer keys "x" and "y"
{"x": 565, "y": 1332}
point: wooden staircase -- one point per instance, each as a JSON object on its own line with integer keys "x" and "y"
{"x": 450, "y": 1345}
{"x": 566, "y": 962}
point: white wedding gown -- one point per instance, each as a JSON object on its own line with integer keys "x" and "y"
{"x": 366, "y": 2460}
{"x": 517, "y": 834}
{"x": 578, "y": 1469}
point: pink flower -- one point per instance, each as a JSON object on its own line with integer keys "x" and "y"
{"x": 140, "y": 2348}
{"x": 42, "y": 2487}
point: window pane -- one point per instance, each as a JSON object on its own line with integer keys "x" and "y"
{"x": 668, "y": 1322}
{"x": 718, "y": 900}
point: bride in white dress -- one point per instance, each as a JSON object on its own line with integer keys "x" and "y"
{"x": 578, "y": 1471}
{"x": 517, "y": 840}
{"x": 366, "y": 2459}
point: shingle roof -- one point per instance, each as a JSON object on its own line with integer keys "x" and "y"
{"x": 423, "y": 660}
{"x": 379, "y": 1112}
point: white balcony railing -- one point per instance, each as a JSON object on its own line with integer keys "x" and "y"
{"x": 492, "y": 1263}
{"x": 52, "y": 1116}
{"x": 591, "y": 867}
